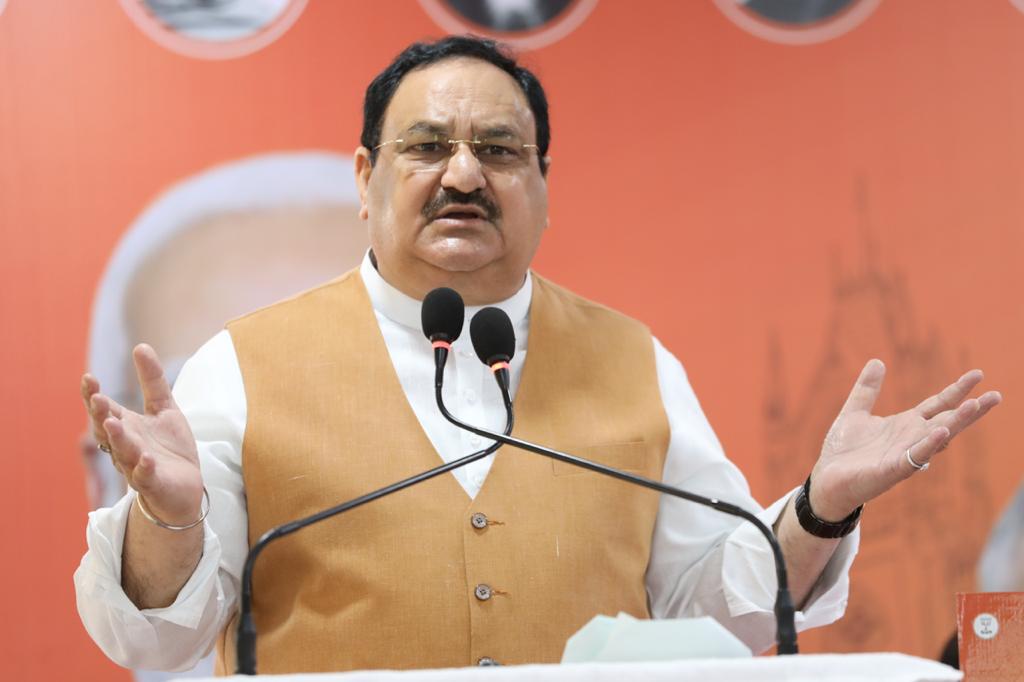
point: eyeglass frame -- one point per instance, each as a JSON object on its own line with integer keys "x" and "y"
{"x": 472, "y": 142}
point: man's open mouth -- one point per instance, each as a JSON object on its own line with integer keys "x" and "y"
{"x": 461, "y": 212}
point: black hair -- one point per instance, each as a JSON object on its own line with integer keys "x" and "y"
{"x": 382, "y": 88}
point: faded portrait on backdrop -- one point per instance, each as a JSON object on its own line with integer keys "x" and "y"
{"x": 216, "y": 245}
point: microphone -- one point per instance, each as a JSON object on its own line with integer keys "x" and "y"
{"x": 497, "y": 338}
{"x": 442, "y": 316}
{"x": 494, "y": 341}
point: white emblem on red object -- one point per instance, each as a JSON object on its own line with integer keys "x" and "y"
{"x": 986, "y": 626}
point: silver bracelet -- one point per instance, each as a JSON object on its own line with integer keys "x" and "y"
{"x": 167, "y": 526}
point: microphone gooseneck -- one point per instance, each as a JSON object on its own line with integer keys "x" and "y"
{"x": 785, "y": 636}
{"x": 442, "y": 322}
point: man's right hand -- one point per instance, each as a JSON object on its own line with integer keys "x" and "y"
{"x": 155, "y": 450}
{"x": 157, "y": 454}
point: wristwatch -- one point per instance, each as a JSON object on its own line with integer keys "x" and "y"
{"x": 817, "y": 527}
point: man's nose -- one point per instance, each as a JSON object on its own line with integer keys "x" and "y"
{"x": 463, "y": 172}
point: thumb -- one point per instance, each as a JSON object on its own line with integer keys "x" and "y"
{"x": 866, "y": 389}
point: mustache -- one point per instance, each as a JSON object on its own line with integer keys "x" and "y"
{"x": 447, "y": 197}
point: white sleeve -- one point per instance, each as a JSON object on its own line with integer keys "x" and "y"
{"x": 707, "y": 563}
{"x": 209, "y": 391}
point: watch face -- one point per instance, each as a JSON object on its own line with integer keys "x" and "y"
{"x": 526, "y": 24}
{"x": 213, "y": 29}
{"x": 797, "y": 22}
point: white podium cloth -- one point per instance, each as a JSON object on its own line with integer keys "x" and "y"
{"x": 887, "y": 667}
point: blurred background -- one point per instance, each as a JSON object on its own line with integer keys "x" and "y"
{"x": 780, "y": 188}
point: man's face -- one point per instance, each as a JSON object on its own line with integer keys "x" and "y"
{"x": 419, "y": 234}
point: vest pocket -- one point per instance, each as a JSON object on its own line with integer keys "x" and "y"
{"x": 629, "y": 456}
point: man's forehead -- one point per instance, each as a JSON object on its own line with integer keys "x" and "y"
{"x": 456, "y": 93}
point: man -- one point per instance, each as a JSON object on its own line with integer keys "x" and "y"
{"x": 307, "y": 403}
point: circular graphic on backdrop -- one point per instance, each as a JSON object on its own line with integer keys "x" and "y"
{"x": 214, "y": 29}
{"x": 525, "y": 24}
{"x": 797, "y": 22}
{"x": 1019, "y": 4}
{"x": 3, "y": 3}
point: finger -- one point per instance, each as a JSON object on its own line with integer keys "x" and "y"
{"x": 89, "y": 386}
{"x": 949, "y": 397}
{"x": 865, "y": 392}
{"x": 923, "y": 450}
{"x": 985, "y": 403}
{"x": 990, "y": 399}
{"x": 956, "y": 420}
{"x": 99, "y": 412}
{"x": 101, "y": 408}
{"x": 156, "y": 392}
{"x": 108, "y": 404}
{"x": 124, "y": 450}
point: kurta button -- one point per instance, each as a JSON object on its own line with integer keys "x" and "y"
{"x": 482, "y": 592}
{"x": 487, "y": 660}
{"x": 478, "y": 520}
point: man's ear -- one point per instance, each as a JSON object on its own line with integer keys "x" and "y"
{"x": 547, "y": 166}
{"x": 363, "y": 168}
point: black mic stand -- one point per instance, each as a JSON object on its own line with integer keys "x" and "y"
{"x": 246, "y": 638}
{"x": 785, "y": 635}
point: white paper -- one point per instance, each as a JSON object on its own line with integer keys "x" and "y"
{"x": 627, "y": 639}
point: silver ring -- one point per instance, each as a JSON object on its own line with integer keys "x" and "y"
{"x": 104, "y": 447}
{"x": 919, "y": 467}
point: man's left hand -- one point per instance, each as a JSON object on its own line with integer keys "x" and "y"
{"x": 864, "y": 454}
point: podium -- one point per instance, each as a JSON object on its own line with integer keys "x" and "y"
{"x": 885, "y": 667}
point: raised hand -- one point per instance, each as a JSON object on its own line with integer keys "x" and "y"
{"x": 864, "y": 454}
{"x": 155, "y": 450}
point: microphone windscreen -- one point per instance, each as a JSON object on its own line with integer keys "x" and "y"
{"x": 494, "y": 339}
{"x": 442, "y": 315}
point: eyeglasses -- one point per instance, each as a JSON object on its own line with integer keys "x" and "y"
{"x": 432, "y": 150}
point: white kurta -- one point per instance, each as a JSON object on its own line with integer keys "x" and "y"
{"x": 702, "y": 562}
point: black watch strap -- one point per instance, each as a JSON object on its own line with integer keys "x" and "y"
{"x": 818, "y": 527}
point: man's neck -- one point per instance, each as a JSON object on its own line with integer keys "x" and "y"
{"x": 476, "y": 288}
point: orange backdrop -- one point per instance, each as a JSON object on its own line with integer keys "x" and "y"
{"x": 776, "y": 213}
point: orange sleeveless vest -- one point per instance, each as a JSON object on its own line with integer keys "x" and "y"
{"x": 394, "y": 584}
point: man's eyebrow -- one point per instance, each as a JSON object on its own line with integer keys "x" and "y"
{"x": 435, "y": 128}
{"x": 499, "y": 131}
{"x": 427, "y": 127}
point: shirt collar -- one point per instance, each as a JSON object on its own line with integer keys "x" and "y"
{"x": 405, "y": 310}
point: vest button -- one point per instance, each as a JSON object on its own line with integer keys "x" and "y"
{"x": 478, "y": 520}
{"x": 482, "y": 592}
{"x": 487, "y": 660}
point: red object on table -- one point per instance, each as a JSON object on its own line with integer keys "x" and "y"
{"x": 990, "y": 629}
